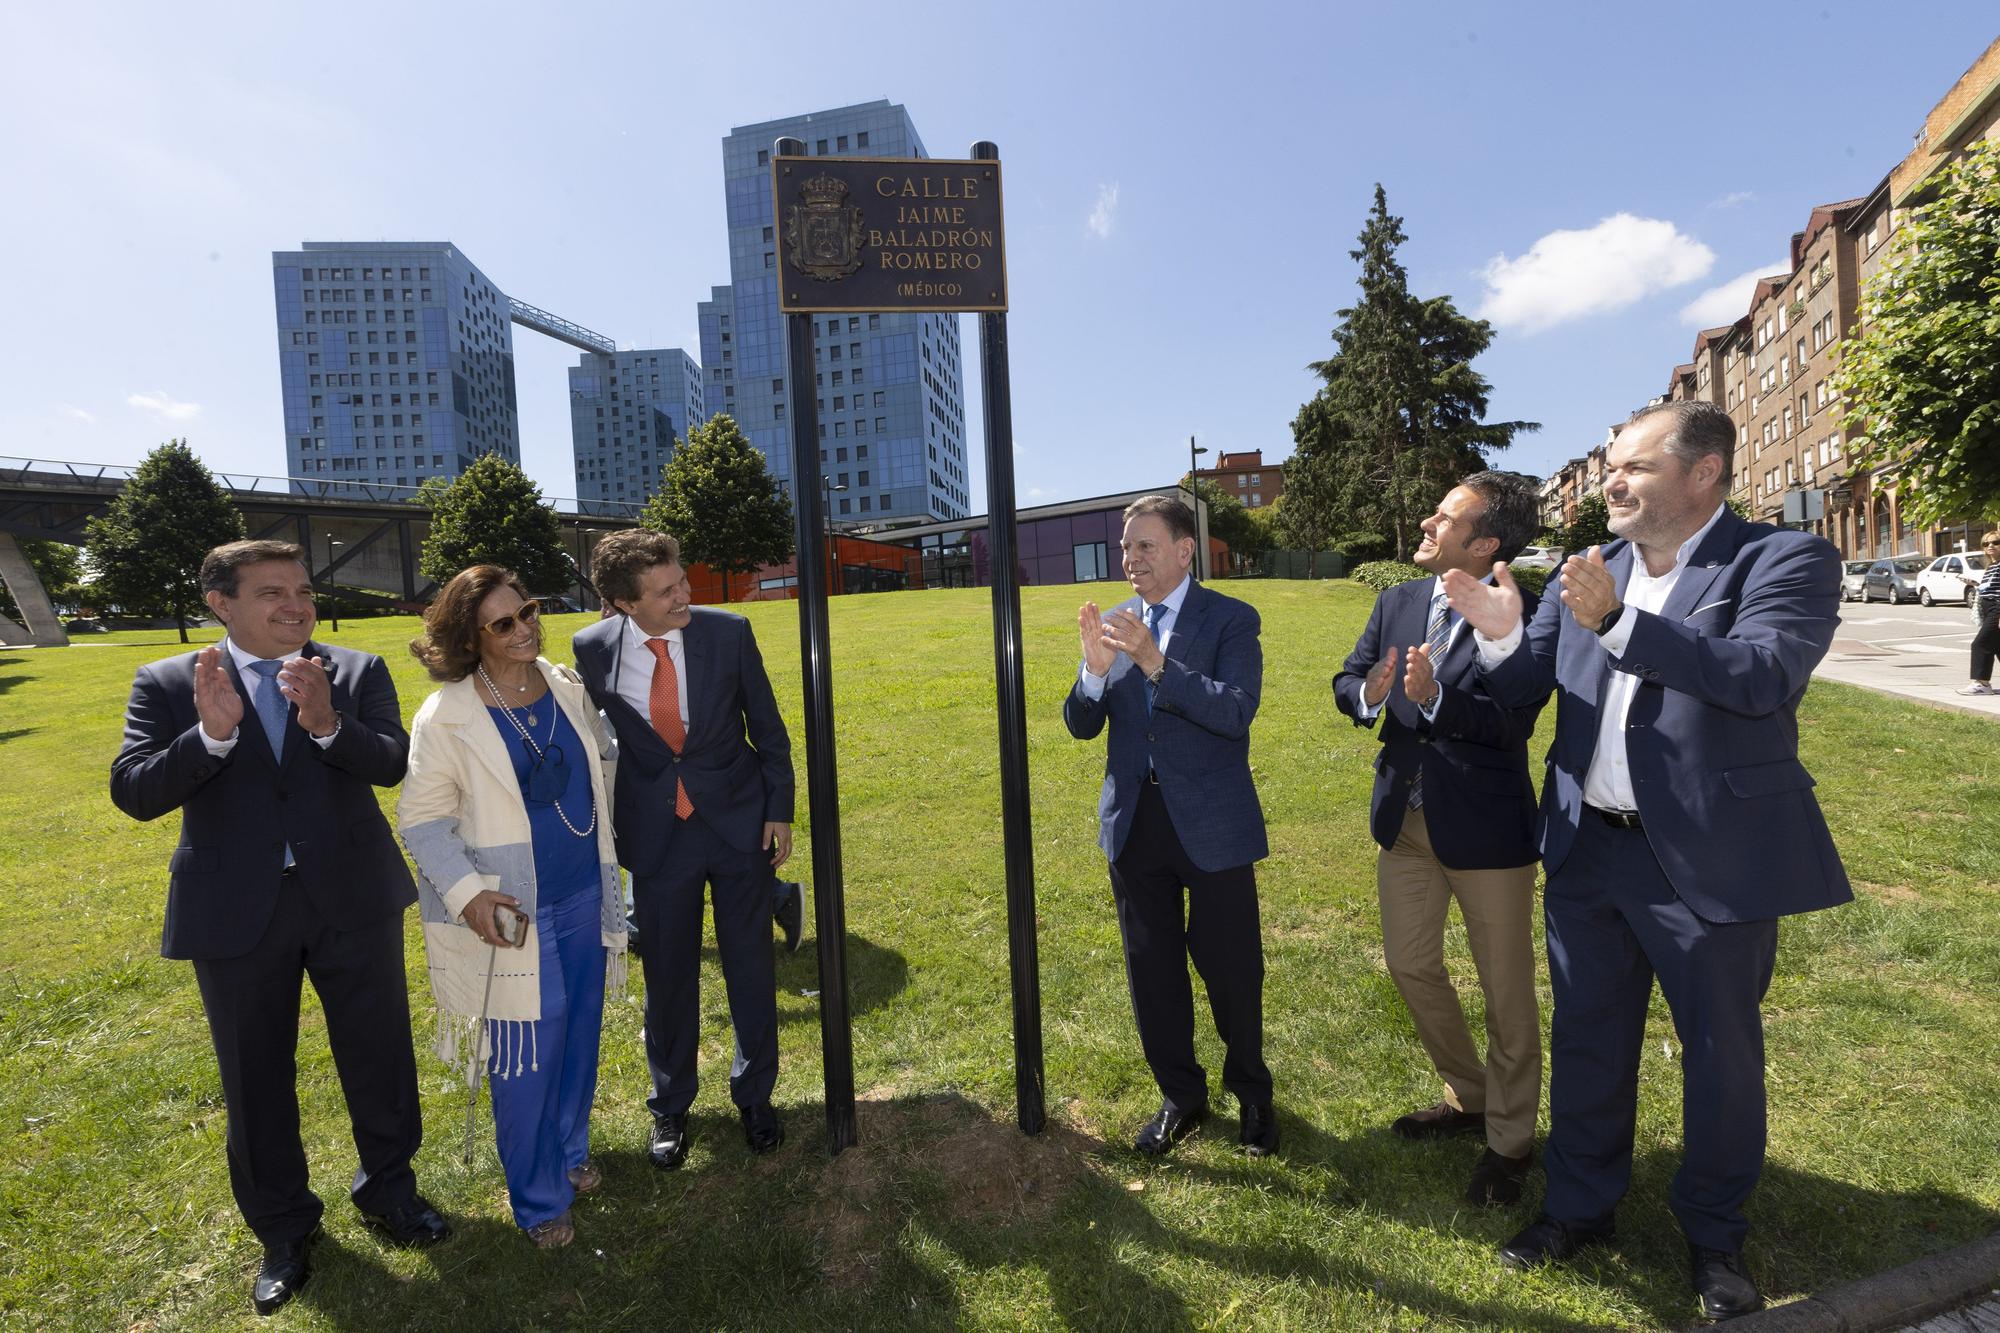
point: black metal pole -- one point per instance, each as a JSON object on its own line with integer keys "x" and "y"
{"x": 1009, "y": 676}
{"x": 836, "y": 1036}
{"x": 1194, "y": 498}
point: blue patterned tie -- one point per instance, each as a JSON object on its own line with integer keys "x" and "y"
{"x": 1437, "y": 637}
{"x": 271, "y": 711}
{"x": 271, "y": 705}
{"x": 1154, "y": 614}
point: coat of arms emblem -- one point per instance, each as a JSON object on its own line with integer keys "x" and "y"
{"x": 823, "y": 235}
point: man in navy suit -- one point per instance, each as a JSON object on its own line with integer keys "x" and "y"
{"x": 1176, "y": 673}
{"x": 1454, "y": 814}
{"x": 1678, "y": 823}
{"x": 703, "y": 801}
{"x": 271, "y": 747}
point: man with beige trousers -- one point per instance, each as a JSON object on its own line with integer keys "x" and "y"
{"x": 1453, "y": 812}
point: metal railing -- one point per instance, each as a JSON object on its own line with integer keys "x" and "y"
{"x": 45, "y": 472}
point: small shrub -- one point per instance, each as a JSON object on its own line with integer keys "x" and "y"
{"x": 1533, "y": 579}
{"x": 1385, "y": 574}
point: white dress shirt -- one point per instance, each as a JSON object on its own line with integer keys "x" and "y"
{"x": 1608, "y": 784}
{"x": 1093, "y": 686}
{"x": 239, "y": 663}
{"x": 635, "y": 669}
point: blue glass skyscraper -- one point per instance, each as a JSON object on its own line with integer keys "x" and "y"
{"x": 396, "y": 360}
{"x": 891, "y": 389}
{"x": 627, "y": 412}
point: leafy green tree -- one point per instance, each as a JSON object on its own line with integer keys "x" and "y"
{"x": 1591, "y": 526}
{"x": 1401, "y": 416}
{"x": 1921, "y": 384}
{"x": 720, "y": 501}
{"x": 58, "y": 565}
{"x": 148, "y": 544}
{"x": 1312, "y": 508}
{"x": 492, "y": 514}
{"x": 1229, "y": 521}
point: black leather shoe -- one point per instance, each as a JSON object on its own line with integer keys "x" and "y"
{"x": 669, "y": 1147}
{"x": 410, "y": 1224}
{"x": 1547, "y": 1241}
{"x": 1169, "y": 1127}
{"x": 1443, "y": 1121}
{"x": 1726, "y": 1291}
{"x": 284, "y": 1270}
{"x": 1258, "y": 1130}
{"x": 761, "y": 1129}
{"x": 791, "y": 914}
{"x": 1497, "y": 1179}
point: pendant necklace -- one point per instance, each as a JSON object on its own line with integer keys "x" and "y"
{"x": 549, "y": 777}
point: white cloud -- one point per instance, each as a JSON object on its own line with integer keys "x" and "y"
{"x": 1104, "y": 215}
{"x": 1734, "y": 199}
{"x": 78, "y": 414}
{"x": 1570, "y": 275}
{"x": 1726, "y": 302}
{"x": 164, "y": 405}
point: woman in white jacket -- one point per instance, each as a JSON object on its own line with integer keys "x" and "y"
{"x": 506, "y": 810}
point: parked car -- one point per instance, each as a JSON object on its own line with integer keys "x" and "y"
{"x": 1944, "y": 580}
{"x": 1539, "y": 557}
{"x": 1852, "y": 575}
{"x": 1894, "y": 580}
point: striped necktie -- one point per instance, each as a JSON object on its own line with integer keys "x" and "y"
{"x": 1438, "y": 637}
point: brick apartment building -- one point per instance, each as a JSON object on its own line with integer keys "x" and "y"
{"x": 1772, "y": 369}
{"x": 1247, "y": 477}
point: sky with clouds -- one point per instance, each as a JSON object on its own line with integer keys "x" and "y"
{"x": 1182, "y": 192}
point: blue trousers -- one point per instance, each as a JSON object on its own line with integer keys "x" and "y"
{"x": 541, "y": 1113}
{"x": 1614, "y": 924}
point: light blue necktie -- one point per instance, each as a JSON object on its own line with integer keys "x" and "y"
{"x": 271, "y": 705}
{"x": 271, "y": 711}
{"x": 1438, "y": 637}
{"x": 1154, "y": 615}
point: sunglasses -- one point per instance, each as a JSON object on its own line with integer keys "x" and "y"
{"x": 529, "y": 612}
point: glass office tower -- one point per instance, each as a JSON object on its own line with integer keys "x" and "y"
{"x": 890, "y": 387}
{"x": 396, "y": 360}
{"x": 627, "y": 412}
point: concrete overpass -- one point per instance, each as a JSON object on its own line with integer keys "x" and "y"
{"x": 362, "y": 541}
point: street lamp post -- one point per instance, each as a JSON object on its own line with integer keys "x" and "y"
{"x": 828, "y": 486}
{"x": 1194, "y": 493}
{"x": 333, "y": 596}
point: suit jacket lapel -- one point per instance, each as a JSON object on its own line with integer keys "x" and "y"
{"x": 1704, "y": 564}
{"x": 1194, "y": 610}
{"x": 698, "y": 661}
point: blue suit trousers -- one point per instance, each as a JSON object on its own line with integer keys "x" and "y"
{"x": 1614, "y": 923}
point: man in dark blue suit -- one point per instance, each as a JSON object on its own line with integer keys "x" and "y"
{"x": 1176, "y": 672}
{"x": 1678, "y": 823}
{"x": 271, "y": 747}
{"x": 1454, "y": 814}
{"x": 703, "y": 801}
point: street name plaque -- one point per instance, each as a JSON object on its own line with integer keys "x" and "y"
{"x": 881, "y": 234}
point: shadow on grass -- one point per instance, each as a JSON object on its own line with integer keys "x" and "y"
{"x": 6, "y": 736}
{"x": 875, "y": 976}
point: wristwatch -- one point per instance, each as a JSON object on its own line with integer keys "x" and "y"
{"x": 1611, "y": 618}
{"x": 1158, "y": 673}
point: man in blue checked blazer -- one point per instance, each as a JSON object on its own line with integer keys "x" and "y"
{"x": 1677, "y": 822}
{"x": 1176, "y": 672}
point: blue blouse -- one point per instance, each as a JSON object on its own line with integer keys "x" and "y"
{"x": 565, "y": 864}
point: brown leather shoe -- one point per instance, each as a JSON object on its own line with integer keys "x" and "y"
{"x": 1497, "y": 1179}
{"x": 554, "y": 1233}
{"x": 1443, "y": 1121}
{"x": 585, "y": 1177}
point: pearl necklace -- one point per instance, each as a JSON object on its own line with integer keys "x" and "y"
{"x": 538, "y": 752}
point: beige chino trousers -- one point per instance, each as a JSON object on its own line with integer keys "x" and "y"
{"x": 1416, "y": 891}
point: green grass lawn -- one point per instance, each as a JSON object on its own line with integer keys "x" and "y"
{"x": 114, "y": 1203}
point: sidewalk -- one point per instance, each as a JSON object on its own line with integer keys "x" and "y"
{"x": 1928, "y": 1296}
{"x": 1915, "y": 652}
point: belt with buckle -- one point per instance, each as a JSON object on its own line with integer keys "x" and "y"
{"x": 1617, "y": 818}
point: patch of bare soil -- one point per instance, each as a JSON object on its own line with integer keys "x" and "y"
{"x": 913, "y": 1146}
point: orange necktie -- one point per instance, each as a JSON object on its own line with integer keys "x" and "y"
{"x": 665, "y": 706}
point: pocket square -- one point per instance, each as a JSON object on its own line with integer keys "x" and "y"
{"x": 1710, "y": 607}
